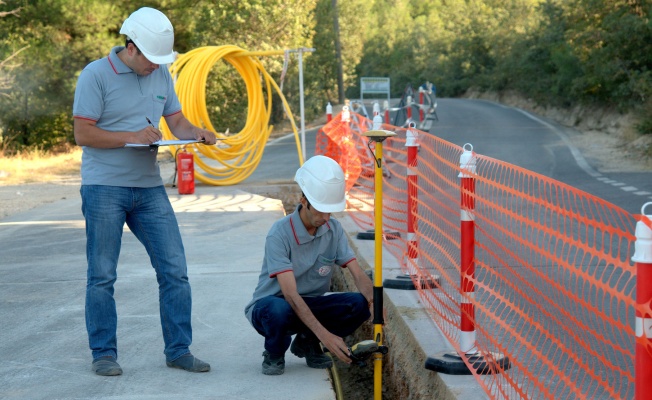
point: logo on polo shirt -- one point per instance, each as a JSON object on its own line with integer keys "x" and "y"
{"x": 324, "y": 270}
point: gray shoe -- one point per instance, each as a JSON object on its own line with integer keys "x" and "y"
{"x": 273, "y": 366}
{"x": 190, "y": 363}
{"x": 311, "y": 350}
{"x": 106, "y": 366}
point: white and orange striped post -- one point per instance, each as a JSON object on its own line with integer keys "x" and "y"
{"x": 454, "y": 363}
{"x": 329, "y": 112}
{"x": 386, "y": 107}
{"x": 409, "y": 108}
{"x": 411, "y": 142}
{"x": 377, "y": 124}
{"x": 376, "y": 108}
{"x": 467, "y": 249}
{"x": 643, "y": 259}
{"x": 412, "y": 280}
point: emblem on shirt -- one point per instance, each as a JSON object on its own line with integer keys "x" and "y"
{"x": 324, "y": 270}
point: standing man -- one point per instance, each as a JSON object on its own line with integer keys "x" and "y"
{"x": 120, "y": 99}
{"x": 301, "y": 252}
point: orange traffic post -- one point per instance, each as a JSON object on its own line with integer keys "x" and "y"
{"x": 456, "y": 363}
{"x": 329, "y": 112}
{"x": 386, "y": 107}
{"x": 467, "y": 250}
{"x": 643, "y": 259}
{"x": 413, "y": 279}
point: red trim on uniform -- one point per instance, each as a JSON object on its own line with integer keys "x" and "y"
{"x": 112, "y": 66}
{"x": 347, "y": 263}
{"x": 280, "y": 272}
{"x": 294, "y": 232}
{"x": 169, "y": 115}
{"x": 87, "y": 119}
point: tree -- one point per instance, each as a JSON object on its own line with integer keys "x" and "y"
{"x": 555, "y": 51}
{"x": 62, "y": 37}
{"x": 254, "y": 25}
{"x": 6, "y": 65}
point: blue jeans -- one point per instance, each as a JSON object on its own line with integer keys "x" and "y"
{"x": 340, "y": 313}
{"x": 149, "y": 215}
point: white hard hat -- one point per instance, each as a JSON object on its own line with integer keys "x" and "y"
{"x": 152, "y": 33}
{"x": 322, "y": 181}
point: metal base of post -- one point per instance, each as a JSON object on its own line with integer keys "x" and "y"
{"x": 405, "y": 282}
{"x": 371, "y": 235}
{"x": 452, "y": 364}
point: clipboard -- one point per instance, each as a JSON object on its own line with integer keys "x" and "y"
{"x": 165, "y": 143}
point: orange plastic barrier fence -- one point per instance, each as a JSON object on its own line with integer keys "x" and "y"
{"x": 554, "y": 282}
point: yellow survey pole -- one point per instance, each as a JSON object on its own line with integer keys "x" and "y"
{"x": 378, "y": 136}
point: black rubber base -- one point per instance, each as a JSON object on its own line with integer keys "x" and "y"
{"x": 405, "y": 282}
{"x": 452, "y": 364}
{"x": 371, "y": 235}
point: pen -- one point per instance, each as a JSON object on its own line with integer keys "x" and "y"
{"x": 152, "y": 125}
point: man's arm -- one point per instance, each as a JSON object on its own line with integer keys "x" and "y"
{"x": 88, "y": 134}
{"x": 362, "y": 281}
{"x": 183, "y": 129}
{"x": 332, "y": 342}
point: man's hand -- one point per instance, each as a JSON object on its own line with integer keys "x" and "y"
{"x": 183, "y": 129}
{"x": 335, "y": 346}
{"x": 147, "y": 135}
{"x": 205, "y": 135}
{"x": 332, "y": 342}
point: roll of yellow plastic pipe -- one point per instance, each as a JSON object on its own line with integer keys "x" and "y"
{"x": 237, "y": 156}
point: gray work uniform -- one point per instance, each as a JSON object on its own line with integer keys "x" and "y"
{"x": 312, "y": 259}
{"x": 111, "y": 94}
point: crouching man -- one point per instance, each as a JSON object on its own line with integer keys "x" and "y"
{"x": 301, "y": 252}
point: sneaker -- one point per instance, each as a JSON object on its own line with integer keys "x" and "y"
{"x": 106, "y": 366}
{"x": 189, "y": 363}
{"x": 310, "y": 349}
{"x": 273, "y": 366}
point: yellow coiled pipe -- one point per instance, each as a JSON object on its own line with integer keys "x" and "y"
{"x": 236, "y": 155}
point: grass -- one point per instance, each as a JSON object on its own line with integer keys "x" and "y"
{"x": 39, "y": 166}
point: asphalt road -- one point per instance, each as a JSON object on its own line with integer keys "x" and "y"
{"x": 539, "y": 145}
{"x": 280, "y": 159}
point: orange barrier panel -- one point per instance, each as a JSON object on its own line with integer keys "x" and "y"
{"x": 554, "y": 283}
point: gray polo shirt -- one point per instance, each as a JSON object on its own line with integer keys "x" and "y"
{"x": 312, "y": 259}
{"x": 117, "y": 99}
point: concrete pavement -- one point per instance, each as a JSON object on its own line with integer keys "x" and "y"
{"x": 44, "y": 347}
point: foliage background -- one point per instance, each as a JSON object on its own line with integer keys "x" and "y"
{"x": 557, "y": 52}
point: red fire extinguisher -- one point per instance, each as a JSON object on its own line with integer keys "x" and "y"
{"x": 185, "y": 172}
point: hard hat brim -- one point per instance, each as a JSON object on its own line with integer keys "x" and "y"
{"x": 167, "y": 59}
{"x": 327, "y": 208}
